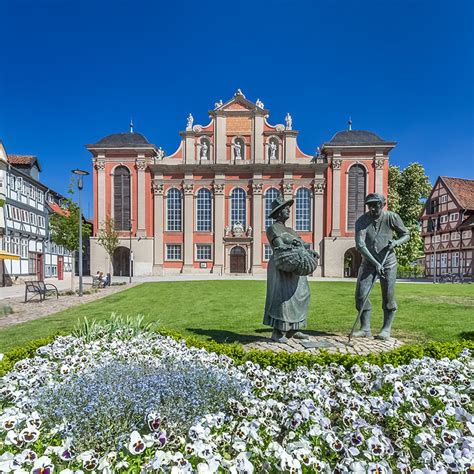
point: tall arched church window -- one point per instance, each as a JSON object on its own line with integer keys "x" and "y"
{"x": 238, "y": 208}
{"x": 122, "y": 206}
{"x": 273, "y": 149}
{"x": 270, "y": 196}
{"x": 204, "y": 210}
{"x": 303, "y": 209}
{"x": 356, "y": 194}
{"x": 174, "y": 209}
{"x": 205, "y": 151}
{"x": 238, "y": 149}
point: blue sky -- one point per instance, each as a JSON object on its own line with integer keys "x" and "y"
{"x": 74, "y": 71}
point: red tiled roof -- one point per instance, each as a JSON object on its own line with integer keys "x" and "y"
{"x": 462, "y": 190}
{"x": 22, "y": 159}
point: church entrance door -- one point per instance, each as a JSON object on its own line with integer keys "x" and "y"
{"x": 237, "y": 260}
{"x": 122, "y": 261}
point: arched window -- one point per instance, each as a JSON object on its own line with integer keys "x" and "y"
{"x": 303, "y": 209}
{"x": 356, "y": 194}
{"x": 238, "y": 207}
{"x": 204, "y": 210}
{"x": 175, "y": 206}
{"x": 122, "y": 198}
{"x": 270, "y": 196}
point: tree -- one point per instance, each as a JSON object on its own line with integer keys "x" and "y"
{"x": 407, "y": 190}
{"x": 65, "y": 229}
{"x": 108, "y": 238}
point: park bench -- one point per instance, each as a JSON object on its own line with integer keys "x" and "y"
{"x": 39, "y": 288}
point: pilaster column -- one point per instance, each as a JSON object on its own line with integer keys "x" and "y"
{"x": 219, "y": 223}
{"x": 220, "y": 137}
{"x": 318, "y": 217}
{"x": 141, "y": 226}
{"x": 188, "y": 225}
{"x": 287, "y": 187}
{"x": 158, "y": 191}
{"x": 101, "y": 210}
{"x": 258, "y": 148}
{"x": 257, "y": 190}
{"x": 379, "y": 164}
{"x": 336, "y": 197}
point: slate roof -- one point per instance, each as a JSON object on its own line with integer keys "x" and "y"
{"x": 357, "y": 137}
{"x": 462, "y": 190}
{"x": 23, "y": 160}
{"x": 123, "y": 140}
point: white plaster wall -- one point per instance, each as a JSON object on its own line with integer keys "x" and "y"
{"x": 334, "y": 250}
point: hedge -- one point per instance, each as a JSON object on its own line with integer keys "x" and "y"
{"x": 282, "y": 360}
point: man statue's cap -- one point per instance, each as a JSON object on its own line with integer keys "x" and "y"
{"x": 374, "y": 197}
{"x": 278, "y": 204}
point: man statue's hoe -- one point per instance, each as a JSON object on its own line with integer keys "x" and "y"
{"x": 374, "y": 240}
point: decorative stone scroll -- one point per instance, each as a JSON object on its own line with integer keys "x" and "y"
{"x": 141, "y": 165}
{"x": 100, "y": 165}
{"x": 319, "y": 187}
{"x": 218, "y": 188}
{"x": 188, "y": 188}
{"x": 379, "y": 164}
{"x": 287, "y": 188}
{"x": 336, "y": 164}
{"x": 158, "y": 188}
{"x": 257, "y": 188}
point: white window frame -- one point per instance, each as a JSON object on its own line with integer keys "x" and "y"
{"x": 303, "y": 220}
{"x": 174, "y": 221}
{"x": 455, "y": 260}
{"x": 443, "y": 199}
{"x": 203, "y": 259}
{"x": 444, "y": 237}
{"x": 444, "y": 260}
{"x": 172, "y": 259}
{"x": 454, "y": 217}
{"x": 202, "y": 192}
{"x": 264, "y": 252}
{"x": 443, "y": 219}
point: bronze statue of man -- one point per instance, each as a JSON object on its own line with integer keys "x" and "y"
{"x": 374, "y": 240}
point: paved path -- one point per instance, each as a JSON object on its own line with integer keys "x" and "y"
{"x": 35, "y": 309}
{"x": 332, "y": 343}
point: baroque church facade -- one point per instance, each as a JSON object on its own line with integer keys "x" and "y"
{"x": 203, "y": 208}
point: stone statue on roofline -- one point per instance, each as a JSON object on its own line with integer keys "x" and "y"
{"x": 189, "y": 122}
{"x": 289, "y": 122}
{"x": 288, "y": 294}
{"x": 374, "y": 240}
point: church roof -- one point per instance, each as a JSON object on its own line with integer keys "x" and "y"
{"x": 357, "y": 137}
{"x": 123, "y": 140}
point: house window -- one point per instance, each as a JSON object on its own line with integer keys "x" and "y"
{"x": 455, "y": 260}
{"x": 303, "y": 209}
{"x": 434, "y": 206}
{"x": 40, "y": 196}
{"x": 41, "y": 221}
{"x": 31, "y": 263}
{"x": 24, "y": 248}
{"x": 437, "y": 238}
{"x": 444, "y": 198}
{"x": 238, "y": 207}
{"x": 15, "y": 245}
{"x": 204, "y": 210}
{"x": 203, "y": 252}
{"x": 33, "y": 218}
{"x": 444, "y": 237}
{"x": 174, "y": 205}
{"x": 454, "y": 217}
{"x": 455, "y": 236}
{"x": 122, "y": 198}
{"x": 270, "y": 196}
{"x": 356, "y": 194}
{"x": 443, "y": 219}
{"x": 267, "y": 252}
{"x": 444, "y": 260}
{"x": 173, "y": 252}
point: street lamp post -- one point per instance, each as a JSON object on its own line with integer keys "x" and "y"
{"x": 130, "y": 258}
{"x": 80, "y": 174}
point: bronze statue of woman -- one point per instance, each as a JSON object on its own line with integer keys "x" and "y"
{"x": 288, "y": 294}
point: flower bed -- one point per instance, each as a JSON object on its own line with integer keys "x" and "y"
{"x": 149, "y": 403}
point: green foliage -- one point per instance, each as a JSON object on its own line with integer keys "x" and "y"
{"x": 406, "y": 191}
{"x": 108, "y": 238}
{"x": 282, "y": 360}
{"x": 124, "y": 327}
{"x": 2, "y": 202}
{"x": 65, "y": 228}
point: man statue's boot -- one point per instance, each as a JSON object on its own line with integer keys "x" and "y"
{"x": 279, "y": 336}
{"x": 297, "y": 335}
{"x": 364, "y": 330}
{"x": 388, "y": 315}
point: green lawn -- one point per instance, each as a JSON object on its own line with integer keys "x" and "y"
{"x": 228, "y": 311}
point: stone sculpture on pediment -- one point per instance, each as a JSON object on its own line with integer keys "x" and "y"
{"x": 188, "y": 188}
{"x": 218, "y": 104}
{"x": 379, "y": 164}
{"x": 289, "y": 122}
{"x": 189, "y": 122}
{"x": 273, "y": 147}
{"x": 160, "y": 154}
{"x": 238, "y": 229}
{"x": 259, "y": 104}
{"x": 100, "y": 165}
